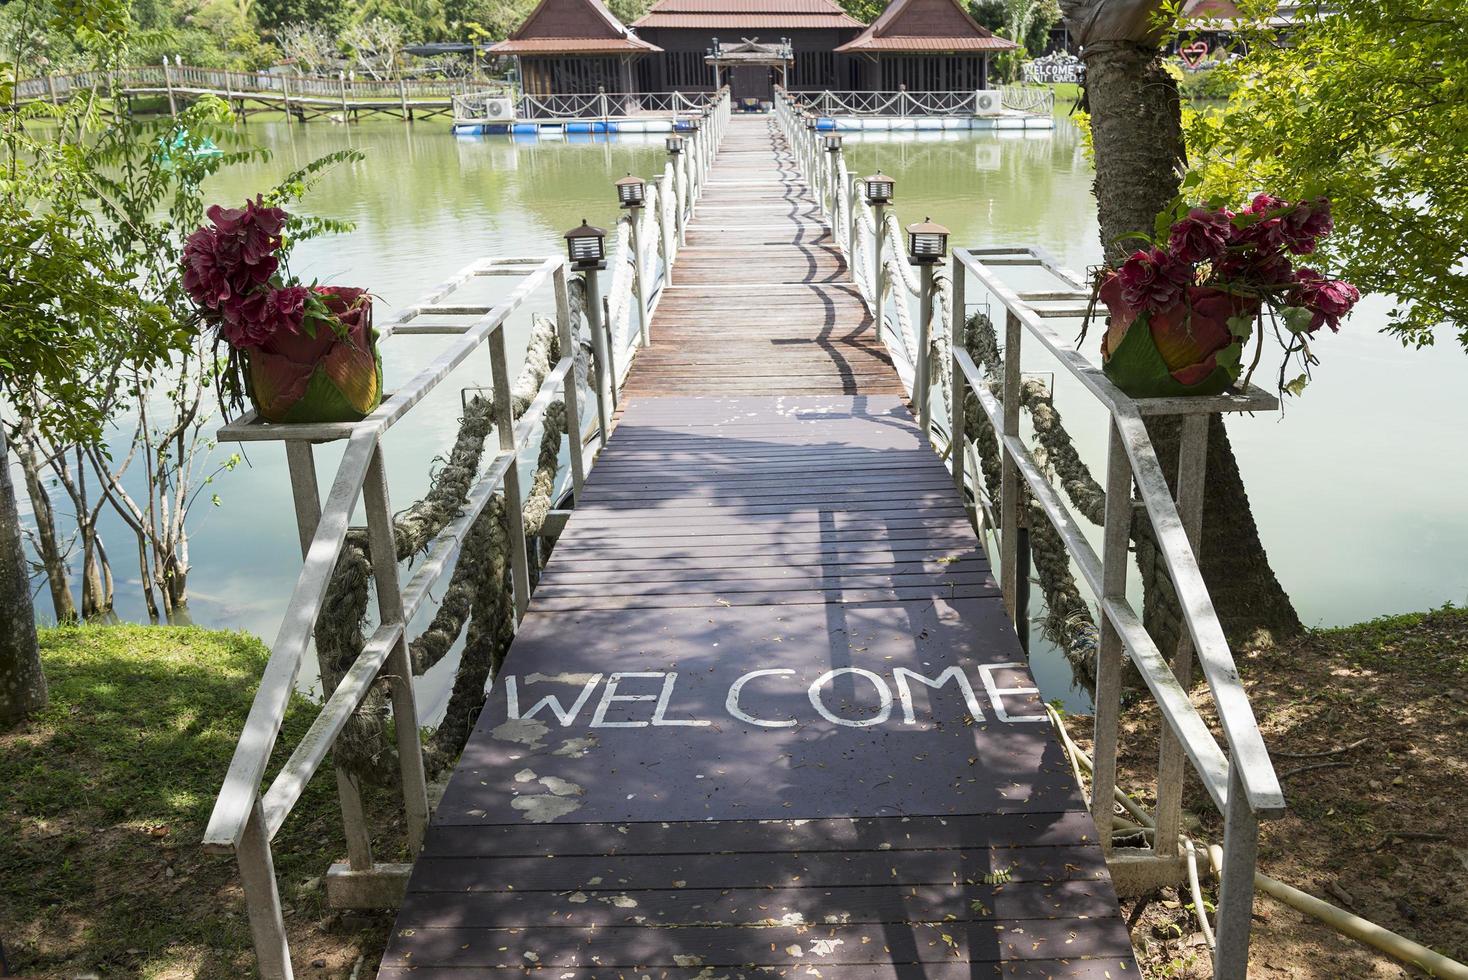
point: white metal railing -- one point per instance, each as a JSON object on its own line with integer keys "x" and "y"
{"x": 246, "y": 817}
{"x": 474, "y": 106}
{"x": 826, "y": 102}
{"x": 1238, "y": 775}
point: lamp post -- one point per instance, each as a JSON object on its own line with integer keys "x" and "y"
{"x": 675, "y": 152}
{"x": 586, "y": 248}
{"x": 809, "y": 147}
{"x": 879, "y": 195}
{"x": 833, "y": 173}
{"x": 927, "y": 244}
{"x": 694, "y": 148}
{"x": 631, "y": 196}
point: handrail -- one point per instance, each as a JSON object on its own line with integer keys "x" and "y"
{"x": 906, "y": 102}
{"x": 190, "y": 78}
{"x": 1241, "y": 781}
{"x": 246, "y": 819}
{"x": 267, "y": 713}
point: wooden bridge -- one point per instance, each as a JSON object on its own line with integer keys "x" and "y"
{"x": 767, "y": 714}
{"x": 248, "y": 93}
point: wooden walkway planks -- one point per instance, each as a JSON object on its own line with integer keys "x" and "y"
{"x": 761, "y": 301}
{"x": 766, "y": 717}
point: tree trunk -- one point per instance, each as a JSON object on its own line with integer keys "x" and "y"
{"x": 47, "y": 543}
{"x": 22, "y": 685}
{"x": 1137, "y": 134}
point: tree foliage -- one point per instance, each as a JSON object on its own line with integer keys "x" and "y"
{"x": 1363, "y": 101}
{"x": 1027, "y": 22}
{"x": 865, "y": 11}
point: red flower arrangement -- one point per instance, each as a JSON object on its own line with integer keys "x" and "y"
{"x": 1182, "y": 312}
{"x": 307, "y": 353}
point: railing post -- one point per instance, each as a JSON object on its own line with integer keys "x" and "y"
{"x": 572, "y": 391}
{"x": 680, "y": 194}
{"x": 167, "y": 83}
{"x": 1192, "y": 466}
{"x": 922, "y": 383}
{"x": 301, "y": 464}
{"x": 262, "y": 899}
{"x": 398, "y": 670}
{"x": 1009, "y": 474}
{"x": 504, "y": 424}
{"x": 599, "y": 350}
{"x": 666, "y": 234}
{"x": 639, "y": 269}
{"x": 611, "y": 344}
{"x": 1236, "y": 888}
{"x": 853, "y": 223}
{"x": 1115, "y": 535}
{"x": 879, "y": 215}
{"x": 957, "y": 392}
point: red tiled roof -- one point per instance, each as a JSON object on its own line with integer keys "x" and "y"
{"x": 748, "y": 15}
{"x": 749, "y": 22}
{"x": 925, "y": 25}
{"x": 571, "y": 27}
{"x": 990, "y": 43}
{"x": 573, "y": 45}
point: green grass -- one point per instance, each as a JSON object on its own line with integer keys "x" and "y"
{"x": 1420, "y": 638}
{"x": 103, "y": 801}
{"x": 1066, "y": 92}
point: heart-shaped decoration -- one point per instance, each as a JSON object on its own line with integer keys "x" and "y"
{"x": 1194, "y": 53}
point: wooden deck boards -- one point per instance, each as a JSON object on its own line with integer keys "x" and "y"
{"x": 762, "y": 300}
{"x": 766, "y": 716}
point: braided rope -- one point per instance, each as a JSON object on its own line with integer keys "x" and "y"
{"x": 1068, "y": 621}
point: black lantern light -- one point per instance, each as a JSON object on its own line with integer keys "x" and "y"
{"x": 631, "y": 191}
{"x": 810, "y": 123}
{"x": 879, "y": 188}
{"x": 586, "y": 246}
{"x": 926, "y": 242}
{"x": 675, "y": 144}
{"x": 833, "y": 143}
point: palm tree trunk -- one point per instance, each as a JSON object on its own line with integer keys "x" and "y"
{"x": 22, "y": 685}
{"x": 1137, "y": 133}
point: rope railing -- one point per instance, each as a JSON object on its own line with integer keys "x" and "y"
{"x": 478, "y": 519}
{"x": 904, "y": 102}
{"x": 475, "y": 106}
{"x": 1238, "y": 775}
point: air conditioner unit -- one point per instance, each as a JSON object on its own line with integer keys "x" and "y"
{"x": 988, "y": 102}
{"x": 501, "y": 108}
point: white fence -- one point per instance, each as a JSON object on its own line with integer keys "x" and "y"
{"x": 1017, "y": 98}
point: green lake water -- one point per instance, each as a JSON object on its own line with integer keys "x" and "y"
{"x": 1358, "y": 487}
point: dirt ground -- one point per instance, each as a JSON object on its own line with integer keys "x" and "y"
{"x": 1368, "y": 728}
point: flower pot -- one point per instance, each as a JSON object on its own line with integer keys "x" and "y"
{"x": 335, "y": 376}
{"x": 1193, "y": 348}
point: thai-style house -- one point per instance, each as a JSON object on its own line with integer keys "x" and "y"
{"x": 578, "y": 46}
{"x": 688, "y": 32}
{"x": 568, "y": 47}
{"x": 924, "y": 45}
